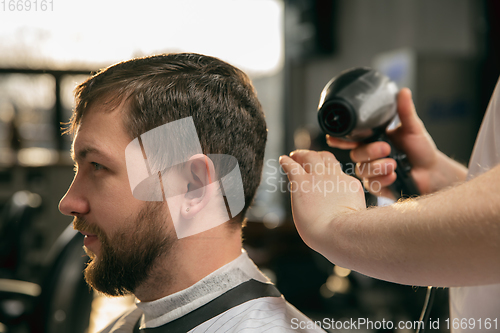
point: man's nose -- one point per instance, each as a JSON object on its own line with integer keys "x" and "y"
{"x": 74, "y": 203}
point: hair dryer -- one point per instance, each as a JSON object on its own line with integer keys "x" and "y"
{"x": 358, "y": 105}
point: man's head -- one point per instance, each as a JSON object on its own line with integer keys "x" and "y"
{"x": 126, "y": 100}
{"x": 160, "y": 89}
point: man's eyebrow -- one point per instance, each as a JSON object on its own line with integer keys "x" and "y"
{"x": 82, "y": 153}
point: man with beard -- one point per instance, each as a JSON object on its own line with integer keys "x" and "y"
{"x": 194, "y": 278}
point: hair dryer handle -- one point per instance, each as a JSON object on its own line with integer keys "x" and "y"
{"x": 404, "y": 185}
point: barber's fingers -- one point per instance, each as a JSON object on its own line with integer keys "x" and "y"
{"x": 370, "y": 152}
{"x": 340, "y": 143}
{"x": 328, "y": 158}
{"x": 308, "y": 159}
{"x": 291, "y": 167}
{"x": 376, "y": 168}
{"x": 410, "y": 122}
{"x": 379, "y": 185}
{"x": 330, "y": 161}
{"x": 302, "y": 163}
{"x": 316, "y": 162}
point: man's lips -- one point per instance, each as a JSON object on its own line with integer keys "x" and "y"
{"x": 89, "y": 238}
{"x": 87, "y": 234}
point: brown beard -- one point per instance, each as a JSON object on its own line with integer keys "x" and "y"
{"x": 127, "y": 258}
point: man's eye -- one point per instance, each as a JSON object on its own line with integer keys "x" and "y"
{"x": 97, "y": 166}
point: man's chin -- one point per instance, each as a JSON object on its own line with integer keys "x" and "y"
{"x": 116, "y": 268}
{"x": 106, "y": 276}
{"x": 92, "y": 252}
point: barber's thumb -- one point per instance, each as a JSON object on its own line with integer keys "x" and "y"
{"x": 410, "y": 121}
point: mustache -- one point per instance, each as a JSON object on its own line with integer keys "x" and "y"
{"x": 81, "y": 224}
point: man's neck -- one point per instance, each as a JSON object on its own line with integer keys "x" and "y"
{"x": 190, "y": 260}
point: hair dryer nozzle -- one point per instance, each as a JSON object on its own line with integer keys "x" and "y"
{"x": 337, "y": 118}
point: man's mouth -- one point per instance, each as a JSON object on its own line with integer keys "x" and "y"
{"x": 89, "y": 238}
{"x": 87, "y": 234}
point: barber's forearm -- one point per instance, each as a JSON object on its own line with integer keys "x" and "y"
{"x": 450, "y": 238}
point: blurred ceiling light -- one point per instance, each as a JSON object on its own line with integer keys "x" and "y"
{"x": 340, "y": 271}
{"x": 246, "y": 33}
{"x": 271, "y": 220}
{"x": 27, "y": 92}
{"x": 36, "y": 156}
{"x": 302, "y": 139}
{"x": 270, "y": 274}
{"x": 325, "y": 292}
{"x": 23, "y": 198}
{"x": 338, "y": 284}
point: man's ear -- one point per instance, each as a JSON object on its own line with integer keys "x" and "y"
{"x": 200, "y": 174}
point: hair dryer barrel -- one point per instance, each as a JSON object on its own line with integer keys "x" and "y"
{"x": 357, "y": 105}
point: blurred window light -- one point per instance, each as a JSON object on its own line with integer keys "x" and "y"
{"x": 246, "y": 33}
{"x": 26, "y": 111}
{"x": 28, "y": 92}
{"x": 105, "y": 309}
{"x": 20, "y": 287}
{"x": 68, "y": 85}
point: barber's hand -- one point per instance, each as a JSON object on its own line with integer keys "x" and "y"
{"x": 429, "y": 165}
{"x": 320, "y": 192}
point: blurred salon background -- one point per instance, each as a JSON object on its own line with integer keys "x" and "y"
{"x": 446, "y": 51}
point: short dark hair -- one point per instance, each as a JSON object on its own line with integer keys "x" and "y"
{"x": 160, "y": 89}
